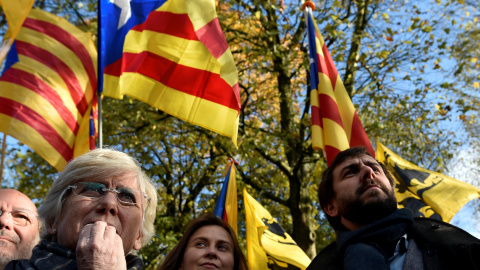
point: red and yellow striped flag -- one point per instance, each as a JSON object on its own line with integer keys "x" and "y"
{"x": 175, "y": 58}
{"x": 335, "y": 123}
{"x": 48, "y": 88}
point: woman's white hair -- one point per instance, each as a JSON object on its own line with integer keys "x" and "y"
{"x": 99, "y": 164}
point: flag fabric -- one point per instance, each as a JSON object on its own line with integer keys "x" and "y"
{"x": 335, "y": 123}
{"x": 174, "y": 56}
{"x": 426, "y": 193}
{"x": 48, "y": 88}
{"x": 268, "y": 245}
{"x": 226, "y": 207}
{"x": 15, "y": 11}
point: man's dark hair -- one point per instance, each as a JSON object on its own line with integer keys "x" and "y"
{"x": 325, "y": 189}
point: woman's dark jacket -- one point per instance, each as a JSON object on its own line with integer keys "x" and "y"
{"x": 50, "y": 256}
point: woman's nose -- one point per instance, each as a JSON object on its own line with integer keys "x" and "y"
{"x": 211, "y": 252}
{"x": 109, "y": 203}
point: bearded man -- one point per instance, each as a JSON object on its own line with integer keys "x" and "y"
{"x": 19, "y": 226}
{"x": 357, "y": 195}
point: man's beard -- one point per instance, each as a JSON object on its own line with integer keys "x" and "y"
{"x": 361, "y": 212}
{"x": 22, "y": 252}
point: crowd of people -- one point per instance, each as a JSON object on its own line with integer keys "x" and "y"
{"x": 101, "y": 209}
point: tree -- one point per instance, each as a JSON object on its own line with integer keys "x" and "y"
{"x": 466, "y": 71}
{"x": 275, "y": 130}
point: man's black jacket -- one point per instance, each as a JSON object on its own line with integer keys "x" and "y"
{"x": 444, "y": 246}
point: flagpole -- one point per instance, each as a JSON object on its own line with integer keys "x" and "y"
{"x": 100, "y": 125}
{"x": 307, "y": 6}
{"x": 4, "y": 146}
{"x": 99, "y": 75}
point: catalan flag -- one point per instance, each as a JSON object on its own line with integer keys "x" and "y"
{"x": 48, "y": 88}
{"x": 335, "y": 123}
{"x": 172, "y": 55}
{"x": 268, "y": 245}
{"x": 16, "y": 11}
{"x": 426, "y": 193}
{"x": 226, "y": 207}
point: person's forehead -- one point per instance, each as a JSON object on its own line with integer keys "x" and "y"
{"x": 212, "y": 231}
{"x": 124, "y": 179}
{"x": 363, "y": 158}
{"x": 17, "y": 200}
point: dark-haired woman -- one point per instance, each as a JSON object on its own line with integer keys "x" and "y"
{"x": 208, "y": 243}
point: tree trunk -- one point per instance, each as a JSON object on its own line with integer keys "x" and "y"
{"x": 353, "y": 55}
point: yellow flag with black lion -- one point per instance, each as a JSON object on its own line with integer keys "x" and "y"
{"x": 269, "y": 247}
{"x": 426, "y": 193}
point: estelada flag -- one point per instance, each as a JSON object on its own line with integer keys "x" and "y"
{"x": 48, "y": 88}
{"x": 174, "y": 56}
{"x": 16, "y": 11}
{"x": 226, "y": 206}
{"x": 426, "y": 193}
{"x": 268, "y": 245}
{"x": 335, "y": 123}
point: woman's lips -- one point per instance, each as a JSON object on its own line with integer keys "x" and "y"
{"x": 209, "y": 265}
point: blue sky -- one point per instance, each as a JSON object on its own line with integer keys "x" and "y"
{"x": 463, "y": 168}
{"x": 468, "y": 218}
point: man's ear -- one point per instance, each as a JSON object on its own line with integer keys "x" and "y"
{"x": 331, "y": 209}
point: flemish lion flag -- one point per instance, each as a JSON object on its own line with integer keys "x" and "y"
{"x": 268, "y": 245}
{"x": 426, "y": 193}
{"x": 174, "y": 56}
{"x": 335, "y": 123}
{"x": 48, "y": 88}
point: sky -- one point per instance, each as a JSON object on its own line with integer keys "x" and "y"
{"x": 462, "y": 168}
{"x": 468, "y": 218}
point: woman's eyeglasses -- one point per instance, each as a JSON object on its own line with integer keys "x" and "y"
{"x": 94, "y": 190}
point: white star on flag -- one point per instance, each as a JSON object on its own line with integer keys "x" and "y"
{"x": 125, "y": 13}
